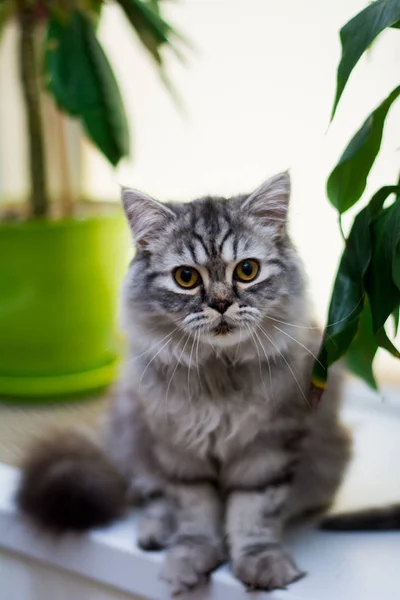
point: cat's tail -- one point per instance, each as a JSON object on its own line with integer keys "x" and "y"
{"x": 372, "y": 519}
{"x": 68, "y": 484}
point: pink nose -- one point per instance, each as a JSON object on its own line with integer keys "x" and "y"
{"x": 220, "y": 305}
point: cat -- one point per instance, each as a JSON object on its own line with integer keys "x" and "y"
{"x": 211, "y": 427}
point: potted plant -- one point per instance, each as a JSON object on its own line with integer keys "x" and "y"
{"x": 366, "y": 292}
{"x": 62, "y": 258}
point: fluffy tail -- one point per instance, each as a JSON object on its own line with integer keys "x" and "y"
{"x": 68, "y": 484}
{"x": 372, "y": 519}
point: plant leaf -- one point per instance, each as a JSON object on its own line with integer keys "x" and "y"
{"x": 358, "y": 34}
{"x": 61, "y": 10}
{"x": 396, "y": 265}
{"x": 348, "y": 179}
{"x": 348, "y": 295}
{"x": 152, "y": 29}
{"x": 82, "y": 83}
{"x": 362, "y": 350}
{"x": 384, "y": 342}
{"x": 396, "y": 319}
{"x": 381, "y": 285}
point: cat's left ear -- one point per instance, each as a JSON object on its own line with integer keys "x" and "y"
{"x": 146, "y": 217}
{"x": 270, "y": 202}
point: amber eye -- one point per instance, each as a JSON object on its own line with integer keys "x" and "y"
{"x": 187, "y": 277}
{"x": 246, "y": 270}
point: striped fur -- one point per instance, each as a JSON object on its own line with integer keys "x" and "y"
{"x": 212, "y": 422}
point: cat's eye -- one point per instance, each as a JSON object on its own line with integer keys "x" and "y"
{"x": 187, "y": 277}
{"x": 246, "y": 270}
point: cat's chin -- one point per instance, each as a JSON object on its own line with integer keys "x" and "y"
{"x": 224, "y": 337}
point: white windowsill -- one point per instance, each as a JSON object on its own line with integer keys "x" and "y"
{"x": 340, "y": 566}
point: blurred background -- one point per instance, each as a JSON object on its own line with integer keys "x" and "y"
{"x": 256, "y": 91}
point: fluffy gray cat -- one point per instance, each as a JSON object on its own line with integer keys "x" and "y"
{"x": 211, "y": 426}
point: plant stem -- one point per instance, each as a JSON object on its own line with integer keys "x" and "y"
{"x": 31, "y": 94}
{"x": 66, "y": 193}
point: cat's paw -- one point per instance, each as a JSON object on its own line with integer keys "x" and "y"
{"x": 188, "y": 565}
{"x": 266, "y": 568}
{"x": 156, "y": 526}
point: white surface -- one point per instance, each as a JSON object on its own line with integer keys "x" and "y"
{"x": 28, "y": 580}
{"x": 340, "y": 566}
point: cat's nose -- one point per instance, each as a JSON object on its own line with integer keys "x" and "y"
{"x": 220, "y": 305}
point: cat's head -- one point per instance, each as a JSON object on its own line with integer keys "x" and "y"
{"x": 215, "y": 266}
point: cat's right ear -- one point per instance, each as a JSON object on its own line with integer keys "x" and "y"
{"x": 269, "y": 203}
{"x": 146, "y": 217}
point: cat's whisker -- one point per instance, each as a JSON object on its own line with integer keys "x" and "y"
{"x": 308, "y": 327}
{"x": 193, "y": 317}
{"x": 288, "y": 365}
{"x": 198, "y": 324}
{"x": 212, "y": 346}
{"x": 316, "y": 326}
{"x": 300, "y": 344}
{"x": 248, "y": 319}
{"x": 259, "y": 358}
{"x": 190, "y": 363}
{"x": 297, "y": 325}
{"x": 173, "y": 373}
{"x": 131, "y": 360}
{"x": 154, "y": 357}
{"x": 250, "y": 309}
{"x": 268, "y": 363}
{"x": 198, "y": 334}
{"x": 238, "y": 345}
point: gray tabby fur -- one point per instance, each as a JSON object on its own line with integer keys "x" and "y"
{"x": 216, "y": 428}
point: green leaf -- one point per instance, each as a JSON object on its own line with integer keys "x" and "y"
{"x": 396, "y": 266}
{"x": 358, "y": 34}
{"x": 348, "y": 295}
{"x": 361, "y": 353}
{"x": 61, "y": 10}
{"x": 82, "y": 83}
{"x": 396, "y": 319}
{"x": 381, "y": 285}
{"x": 348, "y": 179}
{"x": 384, "y": 342}
{"x": 152, "y": 29}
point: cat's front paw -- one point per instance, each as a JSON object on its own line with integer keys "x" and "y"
{"x": 266, "y": 567}
{"x": 156, "y": 525}
{"x": 189, "y": 564}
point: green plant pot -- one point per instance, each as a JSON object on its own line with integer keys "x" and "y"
{"x": 59, "y": 285}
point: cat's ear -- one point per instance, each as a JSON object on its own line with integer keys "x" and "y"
{"x": 270, "y": 202}
{"x": 146, "y": 217}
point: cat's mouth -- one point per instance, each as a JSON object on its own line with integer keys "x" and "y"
{"x": 223, "y": 328}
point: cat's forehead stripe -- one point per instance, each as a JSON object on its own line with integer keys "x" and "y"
{"x": 201, "y": 253}
{"x": 202, "y": 246}
{"x": 212, "y": 230}
{"x": 224, "y": 239}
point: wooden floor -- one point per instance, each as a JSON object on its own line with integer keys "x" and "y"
{"x": 21, "y": 423}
